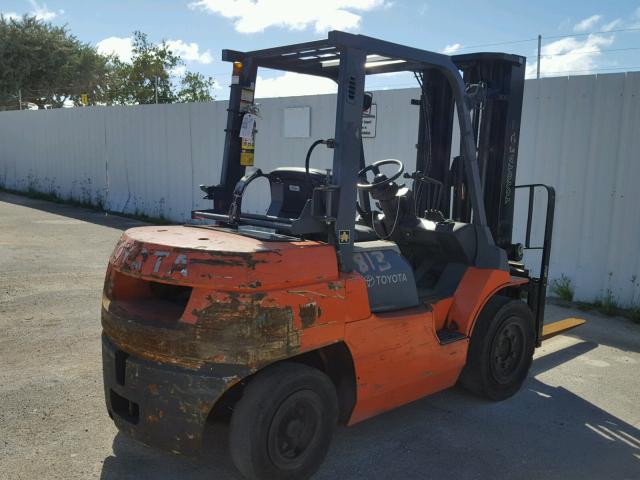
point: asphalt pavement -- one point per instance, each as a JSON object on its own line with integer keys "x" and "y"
{"x": 577, "y": 416}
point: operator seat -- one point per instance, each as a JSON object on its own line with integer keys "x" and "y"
{"x": 290, "y": 190}
{"x": 291, "y": 187}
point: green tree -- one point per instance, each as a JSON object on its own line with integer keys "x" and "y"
{"x": 196, "y": 88}
{"x": 147, "y": 77}
{"x": 47, "y": 65}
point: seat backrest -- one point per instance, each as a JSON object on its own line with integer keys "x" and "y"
{"x": 291, "y": 187}
{"x": 453, "y": 241}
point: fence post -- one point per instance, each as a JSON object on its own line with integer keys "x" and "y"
{"x": 539, "y": 53}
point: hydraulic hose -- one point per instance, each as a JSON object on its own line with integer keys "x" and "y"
{"x": 308, "y": 158}
{"x": 329, "y": 142}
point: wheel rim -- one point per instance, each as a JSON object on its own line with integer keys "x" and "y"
{"x": 294, "y": 429}
{"x": 507, "y": 351}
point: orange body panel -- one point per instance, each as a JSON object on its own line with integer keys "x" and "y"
{"x": 475, "y": 289}
{"x": 254, "y": 302}
{"x": 220, "y": 260}
{"x": 398, "y": 359}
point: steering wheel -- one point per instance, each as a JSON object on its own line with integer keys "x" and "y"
{"x": 375, "y": 168}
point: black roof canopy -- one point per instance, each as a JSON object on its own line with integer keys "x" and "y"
{"x": 322, "y": 57}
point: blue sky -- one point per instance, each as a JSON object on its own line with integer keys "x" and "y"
{"x": 199, "y": 29}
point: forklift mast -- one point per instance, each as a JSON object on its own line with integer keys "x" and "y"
{"x": 494, "y": 83}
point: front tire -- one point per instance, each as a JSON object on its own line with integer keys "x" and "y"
{"x": 500, "y": 350}
{"x": 282, "y": 426}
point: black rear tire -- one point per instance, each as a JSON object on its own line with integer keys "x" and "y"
{"x": 282, "y": 426}
{"x": 500, "y": 350}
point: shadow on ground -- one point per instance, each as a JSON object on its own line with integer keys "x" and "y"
{"x": 543, "y": 432}
{"x": 72, "y": 211}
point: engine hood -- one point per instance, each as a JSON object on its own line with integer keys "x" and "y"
{"x": 223, "y": 260}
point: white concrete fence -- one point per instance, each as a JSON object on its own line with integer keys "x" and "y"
{"x": 579, "y": 134}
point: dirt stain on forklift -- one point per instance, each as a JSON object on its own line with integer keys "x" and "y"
{"x": 326, "y": 310}
{"x": 309, "y": 313}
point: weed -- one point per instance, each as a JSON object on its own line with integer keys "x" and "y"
{"x": 100, "y": 202}
{"x": 634, "y": 314}
{"x": 563, "y": 288}
{"x": 584, "y": 306}
{"x": 608, "y": 305}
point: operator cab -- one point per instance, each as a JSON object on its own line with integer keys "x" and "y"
{"x": 405, "y": 257}
{"x": 437, "y": 250}
{"x": 420, "y": 238}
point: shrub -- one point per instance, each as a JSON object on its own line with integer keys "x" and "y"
{"x": 563, "y": 288}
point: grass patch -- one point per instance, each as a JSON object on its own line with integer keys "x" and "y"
{"x": 608, "y": 304}
{"x": 563, "y": 291}
{"x": 584, "y": 306}
{"x": 85, "y": 203}
{"x": 562, "y": 287}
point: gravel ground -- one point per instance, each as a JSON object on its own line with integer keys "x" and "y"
{"x": 577, "y": 417}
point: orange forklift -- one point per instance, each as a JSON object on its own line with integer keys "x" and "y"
{"x": 327, "y": 309}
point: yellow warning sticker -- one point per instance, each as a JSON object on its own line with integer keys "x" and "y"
{"x": 246, "y": 159}
{"x": 247, "y": 153}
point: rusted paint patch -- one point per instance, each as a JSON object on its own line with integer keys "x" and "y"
{"x": 245, "y": 259}
{"x": 246, "y": 329}
{"x": 249, "y": 329}
{"x": 217, "y": 262}
{"x": 309, "y": 313}
{"x": 173, "y": 417}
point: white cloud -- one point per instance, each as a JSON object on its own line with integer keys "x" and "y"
{"x": 292, "y": 84}
{"x": 41, "y": 12}
{"x": 569, "y": 55}
{"x": 122, "y": 47}
{"x": 11, "y": 16}
{"x": 190, "y": 51}
{"x": 636, "y": 16}
{"x": 450, "y": 49}
{"x": 611, "y": 25}
{"x": 587, "y": 23}
{"x": 118, "y": 46}
{"x": 251, "y": 16}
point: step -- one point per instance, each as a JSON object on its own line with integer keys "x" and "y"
{"x": 449, "y": 336}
